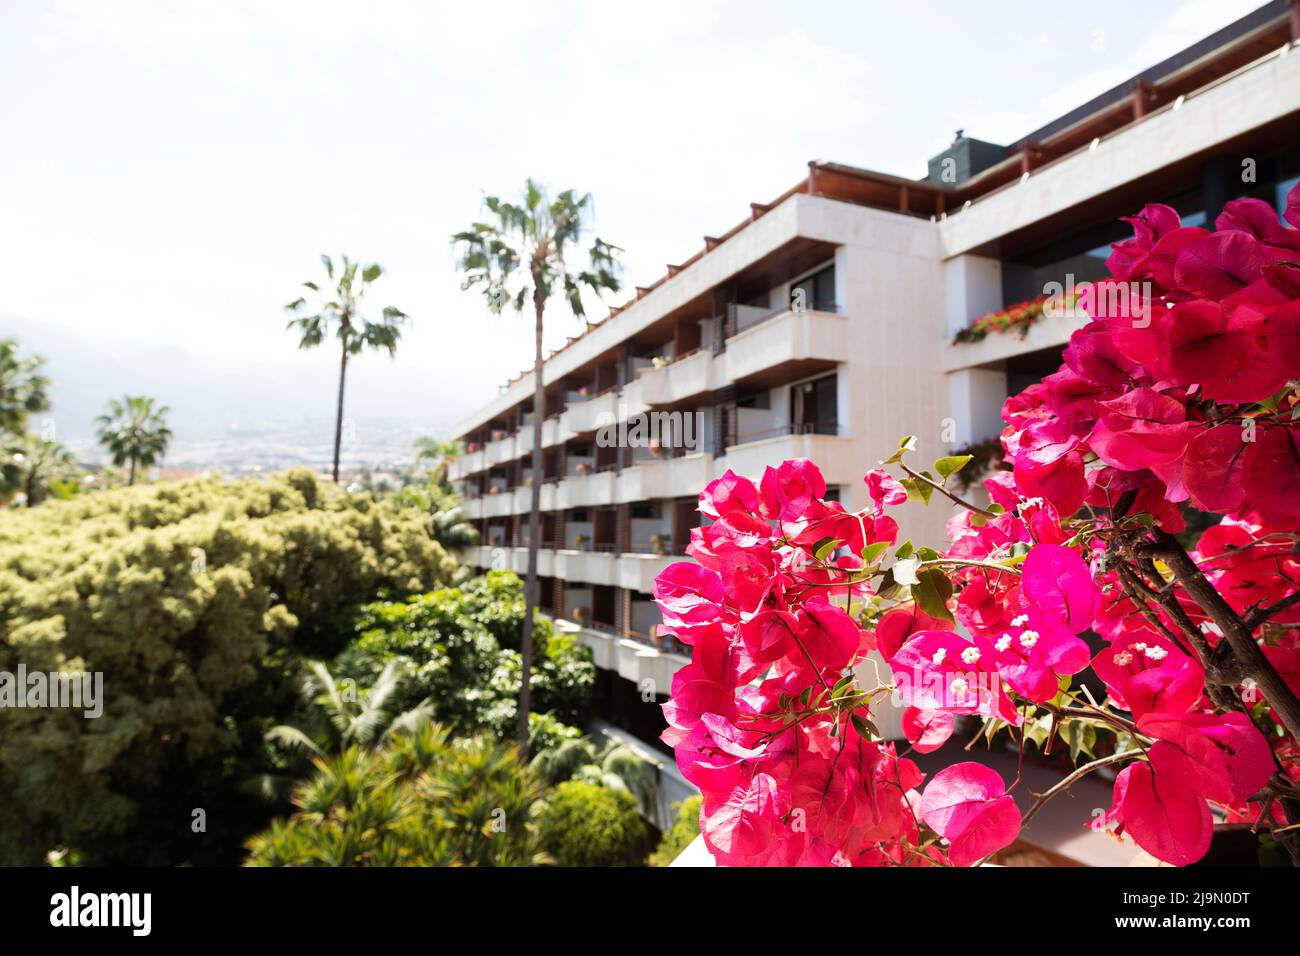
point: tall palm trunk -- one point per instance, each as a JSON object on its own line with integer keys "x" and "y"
{"x": 130, "y": 475}
{"x": 534, "y": 518}
{"x": 338, "y": 415}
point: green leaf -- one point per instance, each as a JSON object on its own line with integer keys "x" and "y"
{"x": 917, "y": 490}
{"x": 872, "y": 552}
{"x": 1081, "y": 735}
{"x": 904, "y": 550}
{"x": 904, "y": 446}
{"x": 928, "y": 554}
{"x": 931, "y": 593}
{"x": 824, "y": 547}
{"x": 888, "y": 587}
{"x": 951, "y": 464}
{"x": 866, "y": 729}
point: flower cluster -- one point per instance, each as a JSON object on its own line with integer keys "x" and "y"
{"x": 1178, "y": 397}
{"x": 1018, "y": 318}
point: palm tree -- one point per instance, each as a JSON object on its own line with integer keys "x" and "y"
{"x": 23, "y": 389}
{"x": 135, "y": 433}
{"x": 338, "y": 307}
{"x": 362, "y": 718}
{"x": 41, "y": 461}
{"x": 519, "y": 254}
{"x": 442, "y": 452}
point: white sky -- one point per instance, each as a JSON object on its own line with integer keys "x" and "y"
{"x": 170, "y": 171}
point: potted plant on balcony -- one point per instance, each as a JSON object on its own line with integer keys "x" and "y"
{"x": 582, "y": 468}
{"x": 659, "y": 543}
{"x": 582, "y": 542}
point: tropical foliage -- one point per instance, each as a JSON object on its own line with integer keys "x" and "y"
{"x": 458, "y": 648}
{"x": 585, "y": 824}
{"x": 195, "y": 600}
{"x": 424, "y": 799}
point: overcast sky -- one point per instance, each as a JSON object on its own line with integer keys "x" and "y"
{"x": 170, "y": 171}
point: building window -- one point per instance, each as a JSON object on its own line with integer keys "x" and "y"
{"x": 814, "y": 406}
{"x": 818, "y": 291}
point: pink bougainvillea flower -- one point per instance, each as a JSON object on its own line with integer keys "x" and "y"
{"x": 1220, "y": 264}
{"x": 1146, "y": 673}
{"x": 967, "y": 804}
{"x": 741, "y": 825}
{"x": 884, "y": 489}
{"x": 1059, "y": 583}
{"x": 1139, "y": 429}
{"x": 1212, "y": 468}
{"x": 690, "y": 599}
{"x": 896, "y": 626}
{"x": 1170, "y": 822}
{"x": 927, "y": 730}
{"x": 827, "y": 634}
{"x": 940, "y": 670}
{"x": 1271, "y": 473}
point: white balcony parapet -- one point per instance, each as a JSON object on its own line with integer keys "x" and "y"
{"x": 840, "y": 460}
{"x": 499, "y": 451}
{"x": 788, "y": 337}
{"x": 581, "y": 418}
{"x": 689, "y": 376}
{"x": 467, "y": 464}
{"x": 586, "y": 491}
{"x": 665, "y": 478}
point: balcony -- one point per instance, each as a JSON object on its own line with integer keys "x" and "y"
{"x": 582, "y": 418}
{"x": 840, "y": 461}
{"x": 637, "y": 572}
{"x": 496, "y": 505}
{"x": 1052, "y": 331}
{"x": 665, "y": 478}
{"x": 689, "y": 377}
{"x": 467, "y": 464}
{"x": 584, "y": 491}
{"x": 786, "y": 345}
{"x": 501, "y": 450}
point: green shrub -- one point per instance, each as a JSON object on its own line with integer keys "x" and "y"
{"x": 423, "y": 800}
{"x": 459, "y": 647}
{"x": 685, "y": 828}
{"x": 584, "y": 824}
{"x": 195, "y": 600}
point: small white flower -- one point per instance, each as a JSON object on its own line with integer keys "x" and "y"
{"x": 939, "y": 655}
{"x": 1123, "y": 658}
{"x": 958, "y": 687}
{"x": 1155, "y": 653}
{"x": 971, "y": 655}
{"x": 1028, "y": 639}
{"x": 1003, "y": 642}
{"x": 1020, "y": 621}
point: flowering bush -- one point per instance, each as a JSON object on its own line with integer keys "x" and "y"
{"x": 1019, "y": 317}
{"x": 1180, "y": 392}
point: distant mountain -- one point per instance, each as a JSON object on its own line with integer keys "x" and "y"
{"x": 274, "y": 411}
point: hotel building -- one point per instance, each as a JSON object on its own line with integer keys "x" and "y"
{"x": 822, "y": 326}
